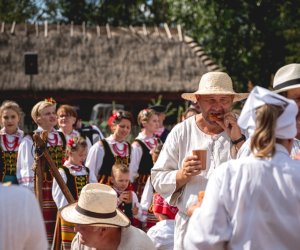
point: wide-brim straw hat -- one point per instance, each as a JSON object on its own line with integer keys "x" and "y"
{"x": 215, "y": 83}
{"x": 97, "y": 205}
{"x": 287, "y": 78}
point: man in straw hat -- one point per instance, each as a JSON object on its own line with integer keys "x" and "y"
{"x": 178, "y": 175}
{"x": 100, "y": 224}
{"x": 253, "y": 203}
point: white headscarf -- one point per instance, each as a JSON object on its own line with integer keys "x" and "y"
{"x": 286, "y": 122}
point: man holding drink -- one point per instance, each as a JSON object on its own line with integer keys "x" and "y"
{"x": 178, "y": 175}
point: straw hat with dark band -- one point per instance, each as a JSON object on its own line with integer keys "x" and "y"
{"x": 97, "y": 205}
{"x": 215, "y": 83}
{"x": 287, "y": 77}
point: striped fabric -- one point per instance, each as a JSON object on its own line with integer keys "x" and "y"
{"x": 67, "y": 234}
{"x": 49, "y": 210}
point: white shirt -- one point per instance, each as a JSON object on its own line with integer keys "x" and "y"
{"x": 182, "y": 139}
{"x": 250, "y": 203}
{"x": 25, "y": 160}
{"x": 96, "y": 154}
{"x": 58, "y": 196}
{"x": 162, "y": 234}
{"x": 22, "y": 226}
{"x": 132, "y": 238}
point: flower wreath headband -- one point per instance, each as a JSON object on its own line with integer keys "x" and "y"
{"x": 50, "y": 100}
{"x": 72, "y": 143}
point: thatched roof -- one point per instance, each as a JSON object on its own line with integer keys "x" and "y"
{"x": 102, "y": 59}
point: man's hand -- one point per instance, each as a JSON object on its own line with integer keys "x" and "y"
{"x": 191, "y": 167}
{"x": 230, "y": 126}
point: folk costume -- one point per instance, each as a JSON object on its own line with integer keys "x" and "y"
{"x": 126, "y": 208}
{"x": 141, "y": 161}
{"x": 56, "y": 145}
{"x": 103, "y": 155}
{"x": 9, "y": 152}
{"x": 76, "y": 177}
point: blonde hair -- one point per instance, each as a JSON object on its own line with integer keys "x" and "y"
{"x": 263, "y": 140}
{"x": 35, "y": 112}
{"x": 119, "y": 167}
{"x": 144, "y": 116}
{"x": 11, "y": 105}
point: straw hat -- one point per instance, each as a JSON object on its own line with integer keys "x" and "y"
{"x": 215, "y": 83}
{"x": 97, "y": 204}
{"x": 287, "y": 77}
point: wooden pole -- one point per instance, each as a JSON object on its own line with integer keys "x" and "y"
{"x": 40, "y": 145}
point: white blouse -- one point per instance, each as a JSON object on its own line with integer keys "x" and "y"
{"x": 18, "y": 136}
{"x": 137, "y": 153}
{"x": 58, "y": 196}
{"x": 25, "y": 160}
{"x": 96, "y": 154}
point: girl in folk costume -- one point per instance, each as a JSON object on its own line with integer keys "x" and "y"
{"x": 113, "y": 149}
{"x": 127, "y": 198}
{"x": 67, "y": 117}
{"x": 141, "y": 161}
{"x": 44, "y": 115}
{"x": 10, "y": 139}
{"x": 76, "y": 176}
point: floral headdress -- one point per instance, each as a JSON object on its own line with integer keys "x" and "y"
{"x": 72, "y": 143}
{"x": 50, "y": 100}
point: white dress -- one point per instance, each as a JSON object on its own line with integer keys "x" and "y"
{"x": 182, "y": 139}
{"x": 250, "y": 203}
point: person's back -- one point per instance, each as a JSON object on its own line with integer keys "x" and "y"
{"x": 21, "y": 226}
{"x": 262, "y": 200}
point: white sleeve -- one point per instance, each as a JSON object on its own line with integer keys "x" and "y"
{"x": 209, "y": 226}
{"x": 25, "y": 161}
{"x": 147, "y": 195}
{"x": 94, "y": 161}
{"x": 135, "y": 202}
{"x": 58, "y": 196}
{"x": 135, "y": 159}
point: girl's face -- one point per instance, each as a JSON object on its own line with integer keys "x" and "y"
{"x": 10, "y": 120}
{"x": 120, "y": 180}
{"x": 122, "y": 130}
{"x": 47, "y": 118}
{"x": 65, "y": 121}
{"x": 78, "y": 157}
{"x": 152, "y": 124}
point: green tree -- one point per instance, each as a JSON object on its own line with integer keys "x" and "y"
{"x": 247, "y": 38}
{"x": 16, "y": 10}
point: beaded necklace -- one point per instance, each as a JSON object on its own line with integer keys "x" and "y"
{"x": 10, "y": 146}
{"x": 120, "y": 152}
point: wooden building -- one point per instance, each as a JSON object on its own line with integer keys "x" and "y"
{"x": 83, "y": 66}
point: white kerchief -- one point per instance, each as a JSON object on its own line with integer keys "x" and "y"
{"x": 286, "y": 122}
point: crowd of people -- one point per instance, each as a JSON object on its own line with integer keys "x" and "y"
{"x": 153, "y": 192}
